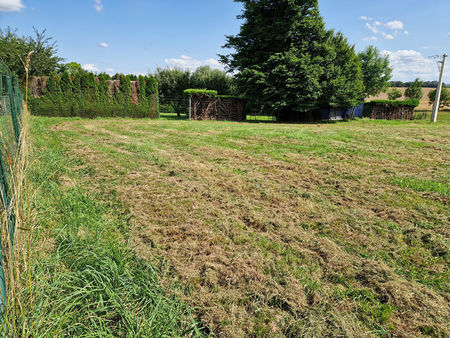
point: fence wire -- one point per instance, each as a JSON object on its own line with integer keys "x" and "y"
{"x": 10, "y": 128}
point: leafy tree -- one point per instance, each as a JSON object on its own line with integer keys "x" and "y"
{"x": 343, "y": 82}
{"x": 212, "y": 79}
{"x": 445, "y": 97}
{"x": 14, "y": 50}
{"x": 287, "y": 62}
{"x": 394, "y": 94}
{"x": 376, "y": 71}
{"x": 171, "y": 86}
{"x": 414, "y": 91}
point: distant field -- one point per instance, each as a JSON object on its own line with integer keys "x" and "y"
{"x": 424, "y": 104}
{"x": 262, "y": 229}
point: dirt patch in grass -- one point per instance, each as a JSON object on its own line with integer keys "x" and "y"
{"x": 267, "y": 237}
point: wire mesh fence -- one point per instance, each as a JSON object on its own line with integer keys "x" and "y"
{"x": 10, "y": 129}
{"x": 174, "y": 105}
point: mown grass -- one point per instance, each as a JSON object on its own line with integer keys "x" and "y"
{"x": 86, "y": 280}
{"x": 318, "y": 229}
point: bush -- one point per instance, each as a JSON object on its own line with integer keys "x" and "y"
{"x": 445, "y": 97}
{"x": 394, "y": 94}
{"x": 414, "y": 91}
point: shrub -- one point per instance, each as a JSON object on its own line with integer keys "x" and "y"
{"x": 414, "y": 91}
{"x": 394, "y": 94}
{"x": 445, "y": 97}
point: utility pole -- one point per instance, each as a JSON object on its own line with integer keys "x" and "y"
{"x": 439, "y": 89}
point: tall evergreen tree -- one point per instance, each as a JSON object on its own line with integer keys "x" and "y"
{"x": 66, "y": 83}
{"x": 288, "y": 63}
{"x": 125, "y": 89}
{"x": 142, "y": 96}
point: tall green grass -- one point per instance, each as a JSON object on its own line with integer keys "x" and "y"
{"x": 84, "y": 280}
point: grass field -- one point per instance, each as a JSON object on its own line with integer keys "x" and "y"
{"x": 243, "y": 229}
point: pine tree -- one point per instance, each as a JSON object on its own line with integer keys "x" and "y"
{"x": 288, "y": 63}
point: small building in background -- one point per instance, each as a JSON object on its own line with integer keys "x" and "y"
{"x": 336, "y": 114}
{"x": 207, "y": 105}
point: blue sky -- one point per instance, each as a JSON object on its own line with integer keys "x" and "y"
{"x": 136, "y": 36}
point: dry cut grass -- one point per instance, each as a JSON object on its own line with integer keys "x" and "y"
{"x": 282, "y": 229}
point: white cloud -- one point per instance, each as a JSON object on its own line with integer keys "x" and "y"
{"x": 449, "y": 34}
{"x": 375, "y": 27}
{"x": 372, "y": 28}
{"x": 430, "y": 47}
{"x": 91, "y": 68}
{"x": 394, "y": 25}
{"x": 187, "y": 62}
{"x": 109, "y": 70}
{"x": 103, "y": 44}
{"x": 98, "y": 5}
{"x": 364, "y": 18}
{"x": 371, "y": 38}
{"x": 387, "y": 36}
{"x": 411, "y": 64}
{"x": 11, "y": 5}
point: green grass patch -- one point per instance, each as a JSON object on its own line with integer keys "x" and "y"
{"x": 422, "y": 185}
{"x": 89, "y": 283}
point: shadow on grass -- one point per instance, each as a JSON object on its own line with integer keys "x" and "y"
{"x": 173, "y": 117}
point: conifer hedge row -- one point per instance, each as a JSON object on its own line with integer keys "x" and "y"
{"x": 86, "y": 95}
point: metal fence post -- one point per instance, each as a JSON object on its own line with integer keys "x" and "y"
{"x": 190, "y": 107}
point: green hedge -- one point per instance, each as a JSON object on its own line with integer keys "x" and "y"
{"x": 86, "y": 95}
{"x": 396, "y": 103}
{"x": 205, "y": 92}
{"x": 210, "y": 93}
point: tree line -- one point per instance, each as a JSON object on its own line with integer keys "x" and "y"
{"x": 425, "y": 84}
